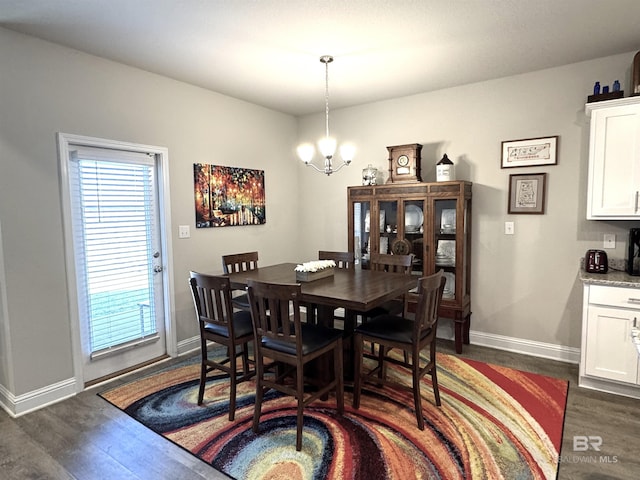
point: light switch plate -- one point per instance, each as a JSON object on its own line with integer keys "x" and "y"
{"x": 184, "y": 231}
{"x": 509, "y": 228}
{"x": 609, "y": 240}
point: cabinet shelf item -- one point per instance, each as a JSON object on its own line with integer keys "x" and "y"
{"x": 418, "y": 214}
{"x": 613, "y": 191}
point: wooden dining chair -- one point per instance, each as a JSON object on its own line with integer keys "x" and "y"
{"x": 410, "y": 336}
{"x": 383, "y": 262}
{"x": 281, "y": 336}
{"x": 343, "y": 260}
{"x": 240, "y": 262}
{"x": 221, "y": 325}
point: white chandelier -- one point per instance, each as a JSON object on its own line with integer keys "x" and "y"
{"x": 327, "y": 144}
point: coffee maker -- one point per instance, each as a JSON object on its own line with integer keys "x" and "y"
{"x": 633, "y": 255}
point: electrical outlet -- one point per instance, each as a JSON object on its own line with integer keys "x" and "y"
{"x": 184, "y": 231}
{"x": 509, "y": 228}
{"x": 609, "y": 240}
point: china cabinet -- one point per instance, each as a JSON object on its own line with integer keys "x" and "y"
{"x": 609, "y": 359}
{"x": 613, "y": 191}
{"x": 430, "y": 220}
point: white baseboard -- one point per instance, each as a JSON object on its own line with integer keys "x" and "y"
{"x": 609, "y": 386}
{"x": 188, "y": 345}
{"x": 551, "y": 351}
{"x": 19, "y": 405}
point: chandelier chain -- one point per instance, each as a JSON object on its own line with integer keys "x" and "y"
{"x": 326, "y": 96}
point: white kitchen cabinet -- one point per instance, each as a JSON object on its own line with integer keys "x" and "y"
{"x": 614, "y": 160}
{"x": 609, "y": 359}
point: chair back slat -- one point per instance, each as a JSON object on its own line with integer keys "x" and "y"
{"x": 430, "y": 291}
{"x": 391, "y": 263}
{"x": 239, "y": 262}
{"x": 342, "y": 259}
{"x": 275, "y": 311}
{"x": 212, "y": 299}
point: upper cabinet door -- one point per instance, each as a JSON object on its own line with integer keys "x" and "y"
{"x": 614, "y": 160}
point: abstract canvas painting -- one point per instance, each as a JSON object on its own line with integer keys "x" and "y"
{"x": 228, "y": 196}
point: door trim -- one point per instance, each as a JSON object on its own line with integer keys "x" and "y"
{"x": 65, "y": 140}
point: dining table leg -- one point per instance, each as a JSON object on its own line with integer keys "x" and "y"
{"x": 325, "y": 317}
{"x": 348, "y": 342}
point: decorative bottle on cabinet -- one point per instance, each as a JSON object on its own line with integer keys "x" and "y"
{"x": 430, "y": 220}
{"x": 444, "y": 170}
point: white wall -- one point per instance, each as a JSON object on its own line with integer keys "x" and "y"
{"x": 523, "y": 286}
{"x": 46, "y": 89}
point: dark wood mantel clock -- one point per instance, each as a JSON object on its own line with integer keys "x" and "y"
{"x": 404, "y": 163}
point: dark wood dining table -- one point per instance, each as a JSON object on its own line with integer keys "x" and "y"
{"x": 355, "y": 290}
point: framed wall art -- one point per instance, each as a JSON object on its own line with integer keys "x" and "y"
{"x": 228, "y": 196}
{"x": 527, "y": 192}
{"x": 529, "y": 152}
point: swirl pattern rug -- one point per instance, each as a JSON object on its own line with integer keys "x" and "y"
{"x": 494, "y": 422}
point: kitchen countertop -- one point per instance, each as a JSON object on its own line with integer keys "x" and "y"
{"x": 613, "y": 278}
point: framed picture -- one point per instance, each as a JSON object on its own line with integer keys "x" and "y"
{"x": 530, "y": 152}
{"x": 527, "y": 192}
{"x": 228, "y": 196}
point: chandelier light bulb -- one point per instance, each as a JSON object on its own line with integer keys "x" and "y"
{"x": 327, "y": 147}
{"x": 306, "y": 151}
{"x": 347, "y": 152}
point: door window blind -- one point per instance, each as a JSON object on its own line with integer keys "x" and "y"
{"x": 113, "y": 215}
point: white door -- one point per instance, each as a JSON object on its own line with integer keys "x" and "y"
{"x": 117, "y": 256}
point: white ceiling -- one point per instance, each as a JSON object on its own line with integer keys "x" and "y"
{"x": 267, "y": 51}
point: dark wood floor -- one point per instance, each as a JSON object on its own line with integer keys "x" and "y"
{"x": 86, "y": 438}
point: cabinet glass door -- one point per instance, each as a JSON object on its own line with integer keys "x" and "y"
{"x": 445, "y": 230}
{"x": 388, "y": 226}
{"x": 414, "y": 215}
{"x": 361, "y": 231}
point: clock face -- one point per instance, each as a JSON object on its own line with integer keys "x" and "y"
{"x": 403, "y": 160}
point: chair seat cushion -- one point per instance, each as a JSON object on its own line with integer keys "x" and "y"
{"x": 241, "y": 325}
{"x": 389, "y": 327}
{"x": 314, "y": 337}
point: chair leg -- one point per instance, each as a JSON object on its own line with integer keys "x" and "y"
{"x": 434, "y": 382}
{"x": 245, "y": 358}
{"x": 300, "y": 417}
{"x": 259, "y": 393}
{"x": 417, "y": 398}
{"x": 233, "y": 380}
{"x": 434, "y": 374}
{"x": 382, "y": 366}
{"x": 203, "y": 377}
{"x": 357, "y": 374}
{"x": 337, "y": 367}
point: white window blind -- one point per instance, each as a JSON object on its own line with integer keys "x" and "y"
{"x": 112, "y": 208}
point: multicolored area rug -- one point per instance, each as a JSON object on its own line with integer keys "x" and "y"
{"x": 494, "y": 422}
